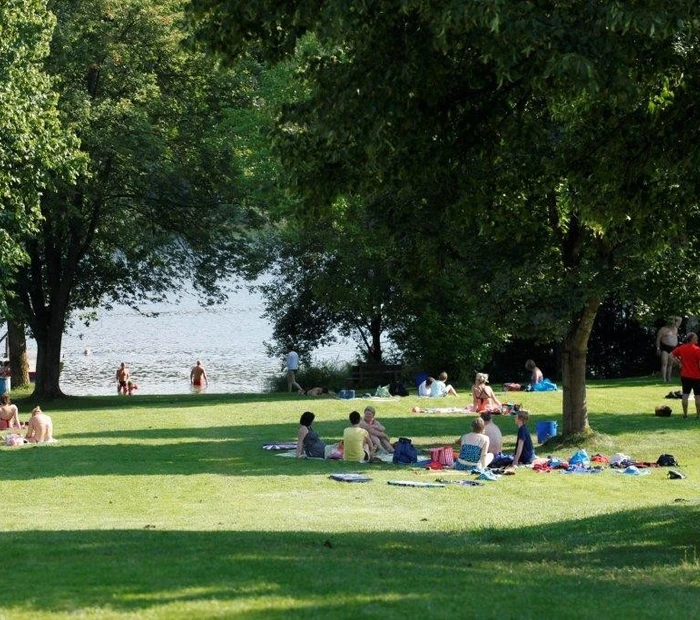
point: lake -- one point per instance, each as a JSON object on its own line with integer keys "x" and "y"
{"x": 161, "y": 350}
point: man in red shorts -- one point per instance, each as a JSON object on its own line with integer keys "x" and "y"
{"x": 689, "y": 356}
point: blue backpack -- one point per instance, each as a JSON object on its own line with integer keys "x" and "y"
{"x": 405, "y": 452}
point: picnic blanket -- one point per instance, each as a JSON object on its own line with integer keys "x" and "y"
{"x": 461, "y": 483}
{"x": 414, "y": 483}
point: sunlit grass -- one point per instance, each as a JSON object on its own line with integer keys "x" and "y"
{"x": 167, "y": 507}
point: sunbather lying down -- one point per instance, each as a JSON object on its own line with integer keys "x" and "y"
{"x": 442, "y": 410}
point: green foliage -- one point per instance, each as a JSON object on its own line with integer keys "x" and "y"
{"x": 160, "y": 199}
{"x": 35, "y": 150}
{"x": 543, "y": 155}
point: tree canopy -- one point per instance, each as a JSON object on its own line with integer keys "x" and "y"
{"x": 540, "y": 152}
{"x": 158, "y": 201}
{"x": 35, "y": 150}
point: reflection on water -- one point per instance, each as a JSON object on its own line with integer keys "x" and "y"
{"x": 161, "y": 350}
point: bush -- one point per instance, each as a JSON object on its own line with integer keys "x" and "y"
{"x": 331, "y": 375}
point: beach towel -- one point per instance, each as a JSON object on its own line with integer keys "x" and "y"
{"x": 442, "y": 410}
{"x": 350, "y": 477}
{"x": 544, "y": 386}
{"x": 633, "y": 471}
{"x": 280, "y": 445}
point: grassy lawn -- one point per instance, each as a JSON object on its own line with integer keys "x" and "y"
{"x": 167, "y": 507}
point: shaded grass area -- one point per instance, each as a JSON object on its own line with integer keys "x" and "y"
{"x": 167, "y": 507}
{"x": 302, "y": 574}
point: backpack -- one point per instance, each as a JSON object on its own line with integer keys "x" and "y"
{"x": 405, "y": 452}
{"x": 667, "y": 460}
{"x": 398, "y": 388}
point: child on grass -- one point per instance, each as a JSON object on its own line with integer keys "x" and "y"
{"x": 524, "y": 452}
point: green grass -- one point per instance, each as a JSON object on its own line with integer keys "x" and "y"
{"x": 167, "y": 507}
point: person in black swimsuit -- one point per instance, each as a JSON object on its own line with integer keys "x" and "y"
{"x": 666, "y": 341}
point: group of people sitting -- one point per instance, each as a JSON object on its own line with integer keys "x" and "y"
{"x": 483, "y": 396}
{"x": 366, "y": 437}
{"x": 39, "y": 427}
{"x": 436, "y": 388}
{"x": 485, "y": 442}
{"x": 362, "y": 440}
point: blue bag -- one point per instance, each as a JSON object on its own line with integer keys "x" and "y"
{"x": 405, "y": 452}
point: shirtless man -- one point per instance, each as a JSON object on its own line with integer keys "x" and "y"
{"x": 666, "y": 341}
{"x": 9, "y": 412}
{"x": 198, "y": 376}
{"x": 122, "y": 379}
{"x": 377, "y": 432}
{"x": 39, "y": 427}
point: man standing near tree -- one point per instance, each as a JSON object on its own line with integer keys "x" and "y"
{"x": 689, "y": 356}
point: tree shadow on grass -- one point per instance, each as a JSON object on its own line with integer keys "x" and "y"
{"x": 632, "y": 563}
{"x": 152, "y": 401}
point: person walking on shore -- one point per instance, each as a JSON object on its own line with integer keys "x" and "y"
{"x": 292, "y": 365}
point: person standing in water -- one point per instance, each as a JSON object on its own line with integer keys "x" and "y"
{"x": 123, "y": 375}
{"x": 198, "y": 376}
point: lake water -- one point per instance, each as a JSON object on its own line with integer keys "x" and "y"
{"x": 161, "y": 350}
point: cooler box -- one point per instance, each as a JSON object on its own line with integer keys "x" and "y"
{"x": 545, "y": 430}
{"x": 346, "y": 394}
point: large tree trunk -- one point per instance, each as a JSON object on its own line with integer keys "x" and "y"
{"x": 17, "y": 342}
{"x": 48, "y": 362}
{"x": 375, "y": 351}
{"x": 574, "y": 350}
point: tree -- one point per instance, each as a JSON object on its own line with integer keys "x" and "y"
{"x": 34, "y": 148}
{"x": 158, "y": 201}
{"x": 548, "y": 144}
{"x": 329, "y": 278}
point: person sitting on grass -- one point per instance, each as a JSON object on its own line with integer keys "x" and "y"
{"x": 536, "y": 375}
{"x": 358, "y": 445}
{"x": 308, "y": 442}
{"x": 474, "y": 449}
{"x": 524, "y": 452}
{"x": 493, "y": 433}
{"x": 39, "y": 427}
{"x": 376, "y": 430}
{"x": 441, "y": 388}
{"x": 483, "y": 396}
{"x": 9, "y": 414}
{"x": 424, "y": 387}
